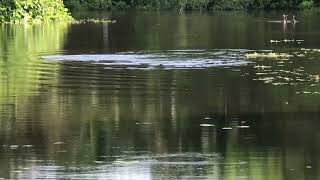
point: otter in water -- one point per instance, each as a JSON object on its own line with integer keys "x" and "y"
{"x": 294, "y": 19}
{"x": 284, "y": 18}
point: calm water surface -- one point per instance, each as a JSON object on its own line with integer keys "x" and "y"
{"x": 161, "y": 95}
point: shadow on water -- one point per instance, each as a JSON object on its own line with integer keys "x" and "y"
{"x": 139, "y": 31}
{"x": 70, "y": 119}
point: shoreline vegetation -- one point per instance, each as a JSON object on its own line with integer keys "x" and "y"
{"x": 190, "y": 4}
{"x": 34, "y": 11}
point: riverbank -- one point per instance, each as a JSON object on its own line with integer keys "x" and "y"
{"x": 21, "y": 11}
{"x": 190, "y": 4}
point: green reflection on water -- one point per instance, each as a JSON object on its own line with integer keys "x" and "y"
{"x": 76, "y": 114}
{"x": 22, "y": 72}
{"x": 20, "y": 49}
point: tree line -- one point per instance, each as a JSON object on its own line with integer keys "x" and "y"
{"x": 191, "y": 4}
{"x": 18, "y": 11}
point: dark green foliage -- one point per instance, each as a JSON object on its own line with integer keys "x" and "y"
{"x": 306, "y": 4}
{"x": 18, "y": 11}
{"x": 191, "y": 4}
{"x": 88, "y": 4}
{"x": 234, "y": 4}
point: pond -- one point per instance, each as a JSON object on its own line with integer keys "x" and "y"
{"x": 161, "y": 95}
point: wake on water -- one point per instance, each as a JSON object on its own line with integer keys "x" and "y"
{"x": 172, "y": 59}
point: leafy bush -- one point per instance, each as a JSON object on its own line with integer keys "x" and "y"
{"x": 191, "y": 4}
{"x": 306, "y": 4}
{"x": 17, "y": 11}
{"x": 232, "y": 4}
{"x": 120, "y": 5}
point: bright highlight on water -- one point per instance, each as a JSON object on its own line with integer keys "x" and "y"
{"x": 177, "y": 59}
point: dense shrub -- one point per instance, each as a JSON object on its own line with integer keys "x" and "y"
{"x": 306, "y": 4}
{"x": 18, "y": 11}
{"x": 232, "y": 4}
{"x": 195, "y": 4}
{"x": 191, "y": 4}
{"x": 42, "y": 10}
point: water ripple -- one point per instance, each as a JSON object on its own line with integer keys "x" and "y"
{"x": 167, "y": 60}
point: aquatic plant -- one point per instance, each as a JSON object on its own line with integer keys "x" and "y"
{"x": 91, "y": 20}
{"x": 272, "y": 55}
{"x": 20, "y": 11}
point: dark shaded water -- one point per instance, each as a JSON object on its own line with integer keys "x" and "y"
{"x": 169, "y": 96}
